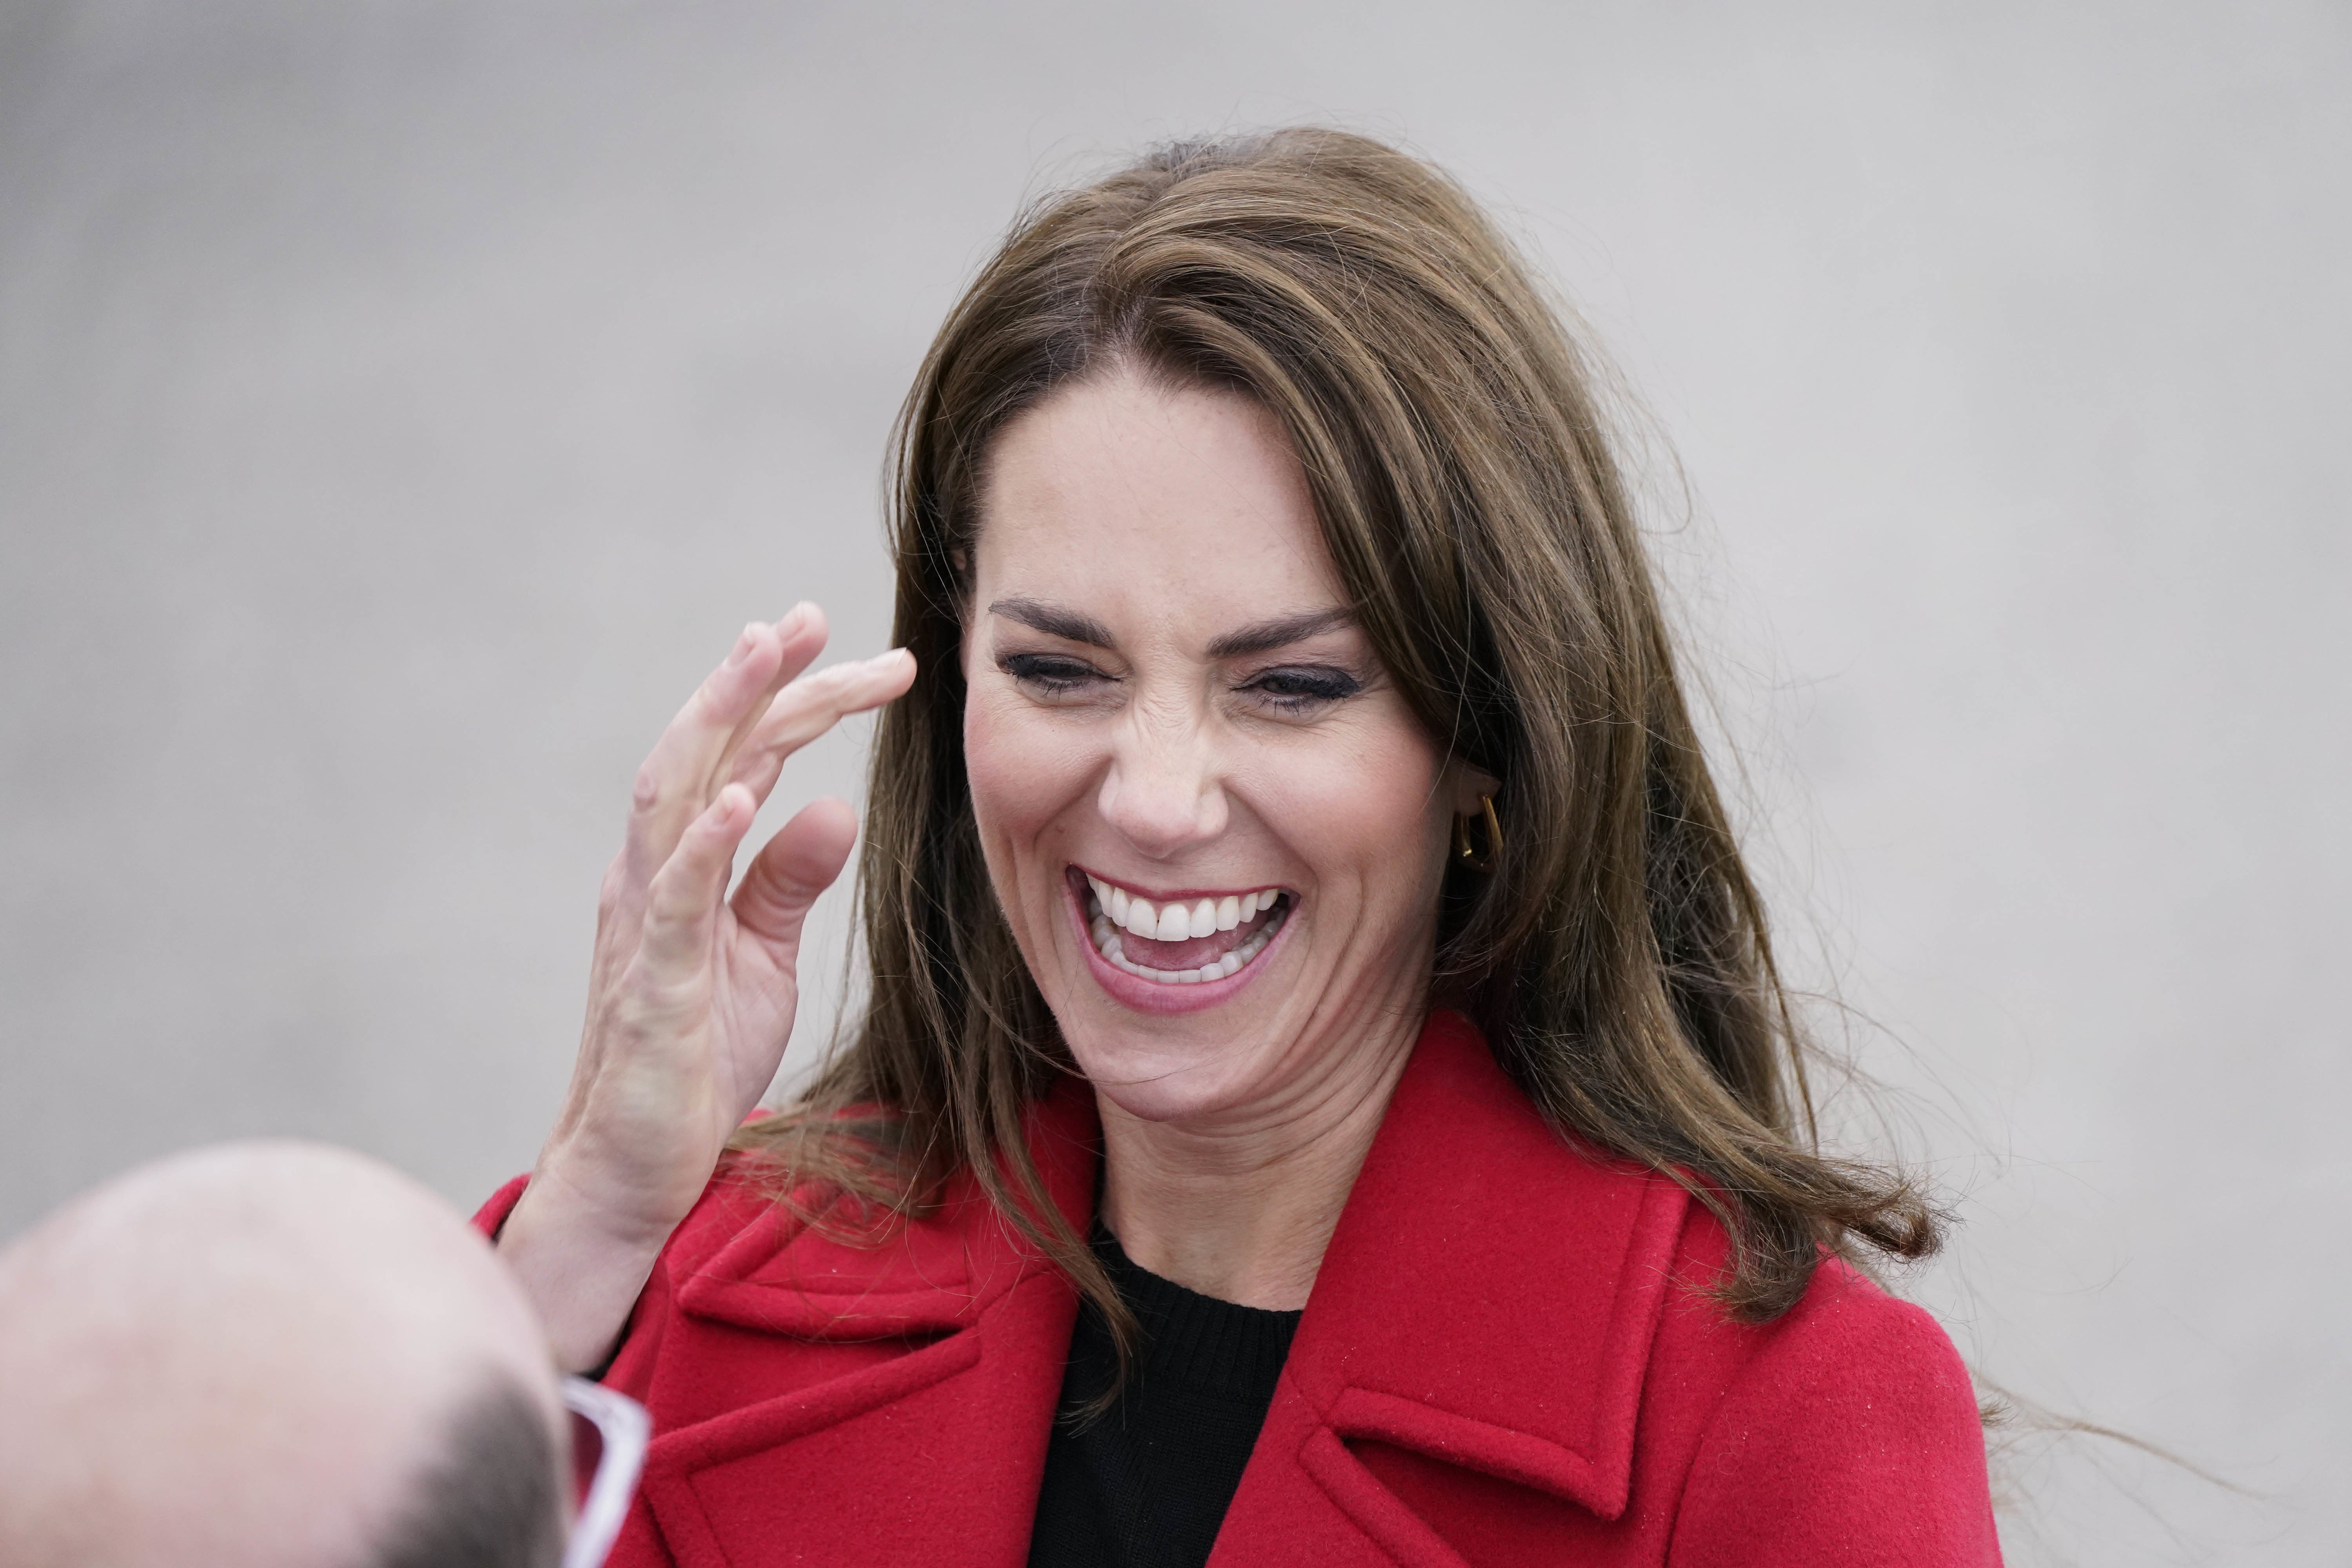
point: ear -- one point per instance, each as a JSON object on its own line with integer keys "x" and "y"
{"x": 1462, "y": 784}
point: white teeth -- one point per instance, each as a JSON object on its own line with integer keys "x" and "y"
{"x": 1144, "y": 918}
{"x": 1114, "y": 910}
{"x": 1107, "y": 941}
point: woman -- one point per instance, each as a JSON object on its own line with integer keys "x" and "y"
{"x": 1324, "y": 1094}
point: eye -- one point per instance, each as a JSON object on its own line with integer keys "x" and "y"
{"x": 1300, "y": 689}
{"x": 1051, "y": 674}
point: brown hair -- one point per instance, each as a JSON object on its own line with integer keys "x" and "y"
{"x": 1616, "y": 954}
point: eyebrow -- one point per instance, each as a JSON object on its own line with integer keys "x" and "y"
{"x": 1280, "y": 632}
{"x": 1055, "y": 620}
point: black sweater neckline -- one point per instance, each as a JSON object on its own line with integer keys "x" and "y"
{"x": 1200, "y": 1342}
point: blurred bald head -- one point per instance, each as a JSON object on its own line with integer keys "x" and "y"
{"x": 280, "y": 1355}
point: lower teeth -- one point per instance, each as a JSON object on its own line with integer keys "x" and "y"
{"x": 1106, "y": 942}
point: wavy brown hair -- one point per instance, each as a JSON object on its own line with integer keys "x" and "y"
{"x": 1616, "y": 953}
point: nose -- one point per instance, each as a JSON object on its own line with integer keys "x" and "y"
{"x": 1162, "y": 792}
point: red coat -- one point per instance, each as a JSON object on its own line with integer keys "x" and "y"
{"x": 1503, "y": 1362}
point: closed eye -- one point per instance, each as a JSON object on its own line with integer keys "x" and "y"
{"x": 1052, "y": 674}
{"x": 1299, "y": 689}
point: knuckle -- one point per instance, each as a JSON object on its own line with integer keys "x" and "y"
{"x": 710, "y": 699}
{"x": 646, "y": 792}
{"x": 812, "y": 690}
{"x": 662, "y": 981}
{"x": 649, "y": 1010}
{"x": 681, "y": 894}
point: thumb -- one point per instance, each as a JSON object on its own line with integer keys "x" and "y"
{"x": 792, "y": 869}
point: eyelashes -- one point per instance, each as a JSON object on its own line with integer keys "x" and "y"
{"x": 1049, "y": 673}
{"x": 1296, "y": 689}
{"x": 1286, "y": 689}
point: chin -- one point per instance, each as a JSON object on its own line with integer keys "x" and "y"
{"x": 1156, "y": 1080}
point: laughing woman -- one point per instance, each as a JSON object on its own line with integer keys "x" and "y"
{"x": 1323, "y": 1095}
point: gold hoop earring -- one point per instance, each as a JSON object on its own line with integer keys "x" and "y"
{"x": 1477, "y": 860}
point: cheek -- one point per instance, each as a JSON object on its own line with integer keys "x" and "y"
{"x": 1024, "y": 774}
{"x": 1365, "y": 814}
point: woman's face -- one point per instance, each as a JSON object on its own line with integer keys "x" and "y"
{"x": 1217, "y": 828}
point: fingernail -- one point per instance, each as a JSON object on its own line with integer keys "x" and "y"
{"x": 794, "y": 616}
{"x": 742, "y": 650}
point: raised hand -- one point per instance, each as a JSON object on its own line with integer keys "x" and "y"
{"x": 691, "y": 993}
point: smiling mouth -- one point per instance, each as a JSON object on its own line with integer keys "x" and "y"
{"x": 1181, "y": 941}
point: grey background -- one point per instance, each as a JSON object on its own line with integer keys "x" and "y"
{"x": 401, "y": 406}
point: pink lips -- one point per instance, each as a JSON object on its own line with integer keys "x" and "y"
{"x": 1155, "y": 997}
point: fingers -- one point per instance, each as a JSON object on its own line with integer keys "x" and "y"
{"x": 694, "y": 753}
{"x": 682, "y": 902}
{"x": 813, "y": 704}
{"x": 800, "y": 641}
{"x": 792, "y": 869}
{"x": 737, "y": 732}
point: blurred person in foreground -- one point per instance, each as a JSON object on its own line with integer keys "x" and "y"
{"x": 275, "y": 1355}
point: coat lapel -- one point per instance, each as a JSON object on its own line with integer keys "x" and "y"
{"x": 1488, "y": 1302}
{"x": 1487, "y": 1306}
{"x": 928, "y": 1445}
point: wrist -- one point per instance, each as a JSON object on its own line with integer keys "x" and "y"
{"x": 588, "y": 1198}
{"x": 582, "y": 1273}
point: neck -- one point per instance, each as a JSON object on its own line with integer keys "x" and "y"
{"x": 1241, "y": 1206}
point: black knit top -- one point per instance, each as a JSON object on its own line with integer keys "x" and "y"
{"x": 1146, "y": 1484}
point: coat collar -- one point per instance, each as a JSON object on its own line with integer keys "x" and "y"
{"x": 1488, "y": 1300}
{"x": 951, "y": 1335}
{"x": 1534, "y": 1273}
{"x": 935, "y": 1275}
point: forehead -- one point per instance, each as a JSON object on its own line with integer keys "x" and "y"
{"x": 1185, "y": 504}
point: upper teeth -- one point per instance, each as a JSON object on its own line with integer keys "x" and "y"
{"x": 1176, "y": 921}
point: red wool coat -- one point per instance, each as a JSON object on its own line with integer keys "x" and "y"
{"x": 1508, "y": 1359}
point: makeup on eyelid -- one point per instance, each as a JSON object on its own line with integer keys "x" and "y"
{"x": 1056, "y": 674}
